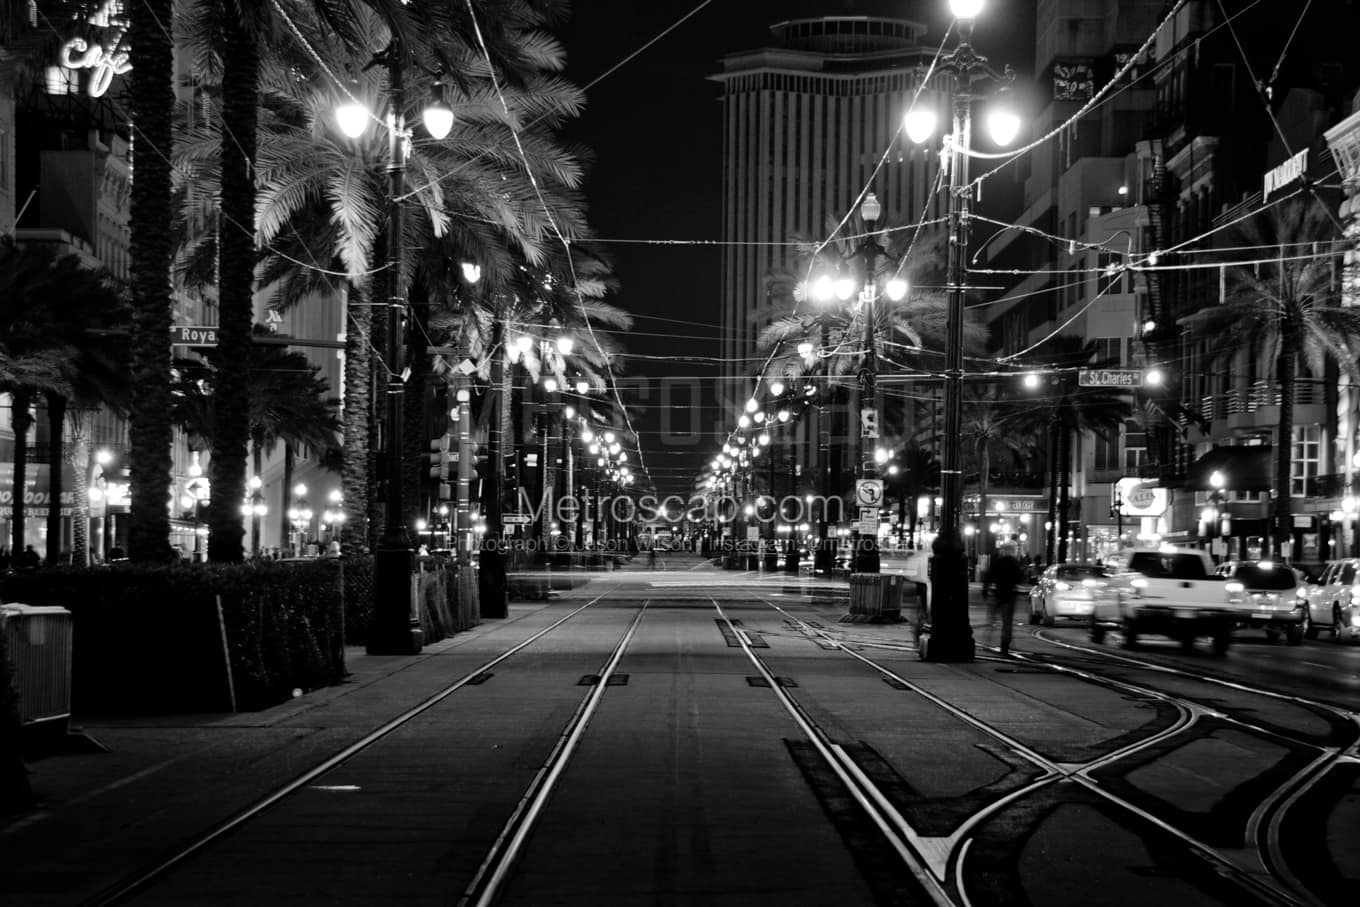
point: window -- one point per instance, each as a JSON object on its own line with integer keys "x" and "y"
{"x": 1109, "y": 351}
{"x": 1304, "y": 465}
{"x": 1134, "y": 458}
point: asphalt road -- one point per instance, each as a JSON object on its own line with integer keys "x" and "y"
{"x": 691, "y": 736}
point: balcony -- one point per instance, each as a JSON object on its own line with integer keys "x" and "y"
{"x": 1258, "y": 404}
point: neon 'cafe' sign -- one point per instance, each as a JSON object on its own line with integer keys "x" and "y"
{"x": 102, "y": 49}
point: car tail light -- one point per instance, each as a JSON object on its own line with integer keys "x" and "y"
{"x": 1234, "y": 587}
{"x": 1092, "y": 583}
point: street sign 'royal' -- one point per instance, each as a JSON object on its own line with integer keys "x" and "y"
{"x": 193, "y": 335}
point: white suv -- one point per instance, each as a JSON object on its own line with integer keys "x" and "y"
{"x": 1334, "y": 601}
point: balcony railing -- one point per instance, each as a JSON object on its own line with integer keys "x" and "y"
{"x": 1260, "y": 394}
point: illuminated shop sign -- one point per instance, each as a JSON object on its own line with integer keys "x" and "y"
{"x": 101, "y": 47}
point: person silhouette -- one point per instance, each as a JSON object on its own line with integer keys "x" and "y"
{"x": 1003, "y": 577}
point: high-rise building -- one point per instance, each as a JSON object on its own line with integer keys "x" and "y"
{"x": 806, "y": 122}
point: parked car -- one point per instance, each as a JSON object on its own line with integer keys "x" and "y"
{"x": 1334, "y": 601}
{"x": 1066, "y": 592}
{"x": 1277, "y": 596}
{"x": 1171, "y": 592}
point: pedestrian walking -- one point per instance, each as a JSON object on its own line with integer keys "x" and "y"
{"x": 1003, "y": 577}
{"x": 30, "y": 559}
{"x": 5, "y": 560}
{"x": 651, "y": 558}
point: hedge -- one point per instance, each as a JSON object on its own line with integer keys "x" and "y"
{"x": 150, "y": 638}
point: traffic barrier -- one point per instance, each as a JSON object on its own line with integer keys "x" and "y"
{"x": 876, "y": 596}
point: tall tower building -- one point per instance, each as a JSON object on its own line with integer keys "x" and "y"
{"x": 806, "y": 120}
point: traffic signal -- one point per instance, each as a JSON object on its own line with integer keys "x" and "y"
{"x": 440, "y": 457}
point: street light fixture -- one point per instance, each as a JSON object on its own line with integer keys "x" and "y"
{"x": 950, "y": 637}
{"x": 395, "y": 630}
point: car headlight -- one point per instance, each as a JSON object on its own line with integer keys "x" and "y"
{"x": 1233, "y": 587}
{"x": 1139, "y": 583}
{"x": 1062, "y": 587}
{"x": 1355, "y": 620}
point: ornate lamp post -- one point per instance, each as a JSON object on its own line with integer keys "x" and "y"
{"x": 950, "y": 637}
{"x": 825, "y": 290}
{"x": 255, "y": 508}
{"x": 197, "y": 493}
{"x": 300, "y": 516}
{"x": 395, "y": 629}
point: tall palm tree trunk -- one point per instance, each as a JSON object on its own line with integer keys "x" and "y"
{"x": 56, "y": 450}
{"x": 150, "y": 432}
{"x": 21, "y": 419}
{"x": 984, "y": 467}
{"x": 377, "y": 388}
{"x": 79, "y": 458}
{"x": 286, "y": 522}
{"x": 1284, "y": 439}
{"x": 414, "y": 405}
{"x": 236, "y": 281}
{"x": 355, "y": 465}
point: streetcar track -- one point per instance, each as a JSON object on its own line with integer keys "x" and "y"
{"x": 505, "y": 850}
{"x": 1264, "y": 825}
{"x": 1190, "y": 710}
{"x": 888, "y": 820}
{"x": 150, "y": 875}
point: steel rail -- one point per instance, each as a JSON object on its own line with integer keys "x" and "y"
{"x": 145, "y": 877}
{"x": 505, "y": 850}
{"x": 1189, "y": 710}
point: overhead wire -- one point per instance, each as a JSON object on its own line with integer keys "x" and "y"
{"x": 557, "y": 231}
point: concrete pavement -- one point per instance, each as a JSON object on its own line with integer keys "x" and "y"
{"x": 166, "y": 780}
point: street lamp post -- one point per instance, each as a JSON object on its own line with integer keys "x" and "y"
{"x": 950, "y": 636}
{"x": 825, "y": 290}
{"x": 395, "y": 628}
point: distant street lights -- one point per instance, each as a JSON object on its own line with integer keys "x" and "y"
{"x": 826, "y": 290}
{"x": 951, "y": 637}
{"x": 395, "y": 629}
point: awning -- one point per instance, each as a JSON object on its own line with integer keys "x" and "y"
{"x": 1244, "y": 468}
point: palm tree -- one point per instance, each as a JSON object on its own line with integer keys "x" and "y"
{"x": 919, "y": 475}
{"x": 150, "y": 432}
{"x": 1288, "y": 313}
{"x": 97, "y": 377}
{"x": 471, "y": 187}
{"x": 991, "y": 428}
{"x": 288, "y": 402}
{"x": 1066, "y": 410}
{"x": 60, "y": 342}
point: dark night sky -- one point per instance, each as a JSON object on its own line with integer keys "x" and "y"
{"x": 655, "y": 129}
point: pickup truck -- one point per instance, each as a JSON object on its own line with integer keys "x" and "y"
{"x": 1169, "y": 592}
